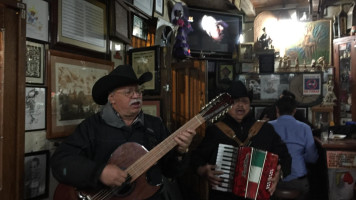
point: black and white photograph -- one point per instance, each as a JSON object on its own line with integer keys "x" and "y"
{"x": 36, "y": 174}
{"x": 35, "y": 105}
{"x": 35, "y": 62}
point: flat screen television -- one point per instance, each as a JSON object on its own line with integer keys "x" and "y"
{"x": 213, "y": 32}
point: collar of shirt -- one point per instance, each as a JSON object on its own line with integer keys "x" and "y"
{"x": 112, "y": 118}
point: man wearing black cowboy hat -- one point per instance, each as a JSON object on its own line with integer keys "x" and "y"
{"x": 82, "y": 159}
{"x": 238, "y": 121}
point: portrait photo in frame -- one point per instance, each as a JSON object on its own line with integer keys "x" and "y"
{"x": 147, "y": 60}
{"x": 71, "y": 78}
{"x": 225, "y": 72}
{"x": 151, "y": 108}
{"x": 146, "y": 6}
{"x": 37, "y": 19}
{"x": 35, "y": 108}
{"x": 159, "y": 6}
{"x": 120, "y": 21}
{"x": 36, "y": 175}
{"x": 35, "y": 62}
{"x": 246, "y": 52}
{"x": 93, "y": 34}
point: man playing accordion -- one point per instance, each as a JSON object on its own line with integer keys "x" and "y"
{"x": 235, "y": 129}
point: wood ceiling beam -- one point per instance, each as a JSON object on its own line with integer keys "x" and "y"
{"x": 247, "y": 8}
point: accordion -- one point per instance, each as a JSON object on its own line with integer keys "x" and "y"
{"x": 246, "y": 171}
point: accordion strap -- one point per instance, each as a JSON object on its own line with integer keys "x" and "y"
{"x": 231, "y": 134}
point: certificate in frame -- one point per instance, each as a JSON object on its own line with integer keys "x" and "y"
{"x": 35, "y": 62}
{"x": 37, "y": 19}
{"x": 35, "y": 115}
{"x": 151, "y": 108}
{"x": 71, "y": 78}
{"x": 145, "y": 6}
{"x": 90, "y": 14}
{"x": 147, "y": 60}
{"x": 159, "y": 6}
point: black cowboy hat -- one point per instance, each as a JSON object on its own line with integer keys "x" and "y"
{"x": 122, "y": 75}
{"x": 237, "y": 89}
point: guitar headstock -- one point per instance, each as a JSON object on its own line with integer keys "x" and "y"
{"x": 217, "y": 107}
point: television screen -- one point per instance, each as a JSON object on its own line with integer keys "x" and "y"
{"x": 213, "y": 32}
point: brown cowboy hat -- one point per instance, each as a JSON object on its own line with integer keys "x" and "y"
{"x": 122, "y": 75}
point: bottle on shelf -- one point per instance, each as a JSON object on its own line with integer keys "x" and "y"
{"x": 335, "y": 26}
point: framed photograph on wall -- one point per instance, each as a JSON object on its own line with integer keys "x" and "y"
{"x": 36, "y": 175}
{"x": 139, "y": 27}
{"x": 159, "y": 6}
{"x": 71, "y": 78}
{"x": 151, "y": 108}
{"x": 35, "y": 62}
{"x": 225, "y": 73}
{"x": 258, "y": 111}
{"x": 120, "y": 21}
{"x": 147, "y": 60}
{"x": 37, "y": 16}
{"x": 35, "y": 108}
{"x": 145, "y": 6}
{"x": 246, "y": 52}
{"x": 91, "y": 15}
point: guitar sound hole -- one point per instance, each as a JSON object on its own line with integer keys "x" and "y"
{"x": 125, "y": 190}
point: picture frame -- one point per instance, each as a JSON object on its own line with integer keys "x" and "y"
{"x": 146, "y": 59}
{"x": 303, "y": 110}
{"x": 258, "y": 111}
{"x": 225, "y": 72}
{"x": 93, "y": 35}
{"x": 246, "y": 52}
{"x": 322, "y": 115}
{"x": 159, "y": 7}
{"x": 36, "y": 175}
{"x": 139, "y": 27}
{"x": 145, "y": 6}
{"x": 35, "y": 58}
{"x": 312, "y": 84}
{"x": 152, "y": 108}
{"x": 37, "y": 19}
{"x": 120, "y": 21}
{"x": 71, "y": 78}
{"x": 35, "y": 108}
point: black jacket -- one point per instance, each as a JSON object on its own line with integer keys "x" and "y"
{"x": 266, "y": 139}
{"x": 80, "y": 159}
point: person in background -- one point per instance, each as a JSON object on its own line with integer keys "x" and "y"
{"x": 269, "y": 113}
{"x": 300, "y": 143}
{"x": 81, "y": 160}
{"x": 240, "y": 119}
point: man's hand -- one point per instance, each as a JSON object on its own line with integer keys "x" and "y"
{"x": 112, "y": 175}
{"x": 211, "y": 174}
{"x": 184, "y": 139}
{"x": 274, "y": 180}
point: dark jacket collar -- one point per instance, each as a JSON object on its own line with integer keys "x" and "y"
{"x": 112, "y": 118}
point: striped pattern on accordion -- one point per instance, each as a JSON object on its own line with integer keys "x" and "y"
{"x": 246, "y": 171}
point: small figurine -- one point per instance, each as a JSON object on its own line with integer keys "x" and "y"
{"x": 330, "y": 96}
{"x": 296, "y": 65}
{"x": 265, "y": 41}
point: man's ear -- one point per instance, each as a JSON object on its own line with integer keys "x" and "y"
{"x": 277, "y": 112}
{"x": 294, "y": 111}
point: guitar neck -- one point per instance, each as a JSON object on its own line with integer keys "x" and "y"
{"x": 150, "y": 158}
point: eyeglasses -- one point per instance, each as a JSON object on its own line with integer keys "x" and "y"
{"x": 130, "y": 92}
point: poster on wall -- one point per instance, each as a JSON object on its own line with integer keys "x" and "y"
{"x": 311, "y": 84}
{"x": 37, "y": 19}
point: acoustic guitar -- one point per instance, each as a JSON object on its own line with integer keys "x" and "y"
{"x": 136, "y": 160}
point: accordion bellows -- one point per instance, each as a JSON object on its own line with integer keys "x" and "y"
{"x": 246, "y": 171}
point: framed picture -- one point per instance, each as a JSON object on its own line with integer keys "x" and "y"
{"x": 322, "y": 116}
{"x": 120, "y": 21}
{"x": 312, "y": 84}
{"x": 36, "y": 175}
{"x": 91, "y": 15}
{"x": 37, "y": 19}
{"x": 225, "y": 74}
{"x": 303, "y": 112}
{"x": 35, "y": 113}
{"x": 147, "y": 60}
{"x": 145, "y": 6}
{"x": 258, "y": 111}
{"x": 71, "y": 78}
{"x": 159, "y": 6}
{"x": 246, "y": 52}
{"x": 151, "y": 108}
{"x": 35, "y": 62}
{"x": 140, "y": 27}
